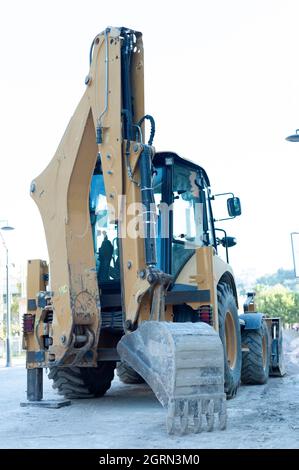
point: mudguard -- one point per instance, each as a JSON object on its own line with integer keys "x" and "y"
{"x": 253, "y": 321}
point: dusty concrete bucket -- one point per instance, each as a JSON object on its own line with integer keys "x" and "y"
{"x": 183, "y": 364}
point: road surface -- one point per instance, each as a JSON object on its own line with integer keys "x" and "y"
{"x": 129, "y": 416}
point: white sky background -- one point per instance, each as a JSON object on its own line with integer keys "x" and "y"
{"x": 221, "y": 80}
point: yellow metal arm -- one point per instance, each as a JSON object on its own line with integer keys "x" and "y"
{"x": 61, "y": 193}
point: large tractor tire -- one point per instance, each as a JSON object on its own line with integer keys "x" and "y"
{"x": 83, "y": 382}
{"x": 256, "y": 361}
{"x": 127, "y": 375}
{"x": 230, "y": 335}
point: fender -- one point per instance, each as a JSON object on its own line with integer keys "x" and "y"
{"x": 253, "y": 321}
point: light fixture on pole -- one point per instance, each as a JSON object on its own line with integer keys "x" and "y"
{"x": 8, "y": 312}
{"x": 293, "y": 137}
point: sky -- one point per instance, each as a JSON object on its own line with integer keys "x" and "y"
{"x": 221, "y": 80}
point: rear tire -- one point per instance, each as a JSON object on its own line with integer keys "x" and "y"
{"x": 83, "y": 382}
{"x": 230, "y": 335}
{"x": 127, "y": 375}
{"x": 256, "y": 362}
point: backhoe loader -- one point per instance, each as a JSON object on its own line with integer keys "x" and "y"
{"x": 135, "y": 280}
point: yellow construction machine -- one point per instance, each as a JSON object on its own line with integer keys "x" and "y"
{"x": 135, "y": 282}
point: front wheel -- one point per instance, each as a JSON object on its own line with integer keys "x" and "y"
{"x": 230, "y": 335}
{"x": 256, "y": 360}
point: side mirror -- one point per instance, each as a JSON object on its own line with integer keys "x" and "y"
{"x": 228, "y": 242}
{"x": 234, "y": 206}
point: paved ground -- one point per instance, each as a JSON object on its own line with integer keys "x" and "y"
{"x": 129, "y": 416}
{"x": 15, "y": 360}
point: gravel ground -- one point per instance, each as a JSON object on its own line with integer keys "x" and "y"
{"x": 129, "y": 416}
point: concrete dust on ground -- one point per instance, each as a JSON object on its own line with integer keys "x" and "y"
{"x": 129, "y": 416}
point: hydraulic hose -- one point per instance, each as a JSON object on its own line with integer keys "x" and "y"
{"x": 153, "y": 127}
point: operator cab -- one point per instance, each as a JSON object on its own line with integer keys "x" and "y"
{"x": 184, "y": 217}
{"x": 185, "y": 220}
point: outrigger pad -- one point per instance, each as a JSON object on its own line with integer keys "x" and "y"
{"x": 183, "y": 363}
{"x": 46, "y": 403}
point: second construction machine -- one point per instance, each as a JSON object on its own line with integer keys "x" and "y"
{"x": 136, "y": 282}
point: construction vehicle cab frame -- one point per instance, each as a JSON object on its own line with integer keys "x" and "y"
{"x": 136, "y": 281}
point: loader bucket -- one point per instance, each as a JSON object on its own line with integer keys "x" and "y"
{"x": 277, "y": 366}
{"x": 183, "y": 364}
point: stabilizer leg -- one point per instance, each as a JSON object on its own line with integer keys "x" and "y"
{"x": 35, "y": 391}
{"x": 35, "y": 384}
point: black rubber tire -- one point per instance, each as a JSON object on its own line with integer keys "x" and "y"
{"x": 254, "y": 370}
{"x": 227, "y": 303}
{"x": 127, "y": 375}
{"x": 83, "y": 382}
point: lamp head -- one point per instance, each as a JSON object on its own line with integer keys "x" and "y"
{"x": 293, "y": 137}
{"x": 7, "y": 228}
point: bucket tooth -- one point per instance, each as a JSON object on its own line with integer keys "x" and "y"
{"x": 184, "y": 417}
{"x": 170, "y": 419}
{"x": 210, "y": 416}
{"x": 183, "y": 364}
{"x": 197, "y": 418}
{"x": 222, "y": 415}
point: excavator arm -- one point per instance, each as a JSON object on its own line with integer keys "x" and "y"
{"x": 62, "y": 194}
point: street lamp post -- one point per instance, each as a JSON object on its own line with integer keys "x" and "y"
{"x": 8, "y": 312}
{"x": 293, "y": 253}
{"x": 294, "y": 138}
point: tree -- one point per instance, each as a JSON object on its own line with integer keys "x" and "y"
{"x": 282, "y": 276}
{"x": 278, "y": 301}
{"x": 14, "y": 312}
